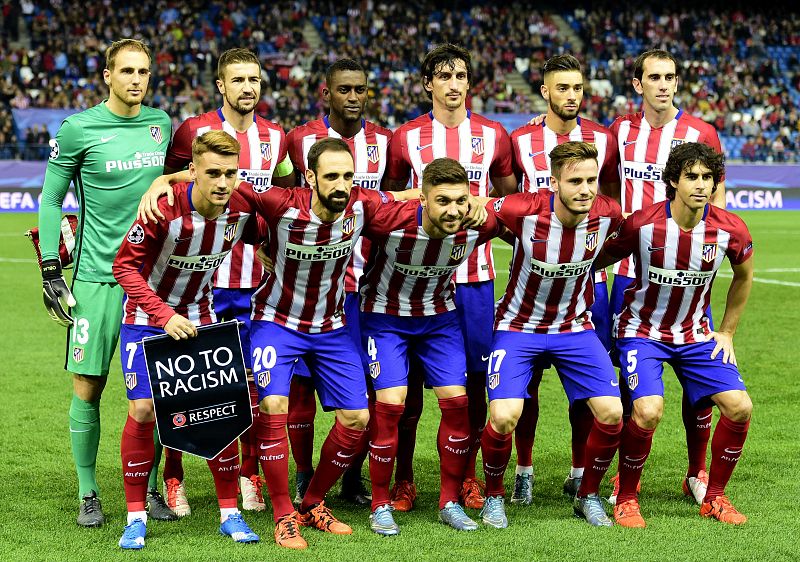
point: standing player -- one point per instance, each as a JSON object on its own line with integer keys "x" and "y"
{"x": 531, "y": 145}
{"x": 644, "y": 141}
{"x": 483, "y": 149}
{"x": 111, "y": 152}
{"x": 544, "y": 315}
{"x": 345, "y": 92}
{"x": 679, "y": 245}
{"x": 166, "y": 292}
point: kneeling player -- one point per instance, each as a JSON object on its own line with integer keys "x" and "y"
{"x": 679, "y": 245}
{"x": 163, "y": 295}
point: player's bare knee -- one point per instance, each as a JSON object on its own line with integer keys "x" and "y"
{"x": 735, "y": 405}
{"x": 504, "y": 420}
{"x": 88, "y": 388}
{"x": 274, "y": 405}
{"x": 141, "y": 410}
{"x": 353, "y": 419}
{"x": 610, "y": 414}
{"x": 647, "y": 411}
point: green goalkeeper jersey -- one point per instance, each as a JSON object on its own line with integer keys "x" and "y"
{"x": 111, "y": 161}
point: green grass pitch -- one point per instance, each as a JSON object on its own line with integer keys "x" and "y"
{"x": 39, "y": 487}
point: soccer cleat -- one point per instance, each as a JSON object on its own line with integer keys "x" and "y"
{"x": 287, "y": 532}
{"x": 320, "y": 517}
{"x": 133, "y": 535}
{"x": 572, "y": 485}
{"x": 523, "y": 489}
{"x": 157, "y": 508}
{"x": 235, "y": 527}
{"x": 252, "y": 497}
{"x": 403, "y": 495}
{"x": 721, "y": 509}
{"x": 354, "y": 490}
{"x": 90, "y": 511}
{"x": 627, "y": 514}
{"x": 382, "y": 522}
{"x": 453, "y": 514}
{"x": 301, "y": 485}
{"x": 494, "y": 512}
{"x": 472, "y": 493}
{"x": 176, "y": 497}
{"x": 696, "y": 486}
{"x": 591, "y": 508}
{"x": 612, "y": 499}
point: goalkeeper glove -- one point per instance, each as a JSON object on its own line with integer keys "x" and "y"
{"x": 57, "y": 297}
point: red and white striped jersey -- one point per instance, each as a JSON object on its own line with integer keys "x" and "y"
{"x": 369, "y": 148}
{"x": 674, "y": 271}
{"x": 643, "y": 153}
{"x": 306, "y": 292}
{"x": 550, "y": 287}
{"x": 411, "y": 274}
{"x": 263, "y": 148}
{"x": 482, "y": 146}
{"x": 166, "y": 267}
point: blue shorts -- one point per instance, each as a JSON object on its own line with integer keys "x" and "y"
{"x": 332, "y": 358}
{"x": 581, "y": 360}
{"x": 475, "y": 306}
{"x": 434, "y": 341}
{"x": 234, "y": 304}
{"x": 643, "y": 361}
{"x": 131, "y": 354}
{"x": 601, "y": 315}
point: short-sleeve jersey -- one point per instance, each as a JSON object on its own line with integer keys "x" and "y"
{"x": 409, "y": 273}
{"x": 550, "y": 288}
{"x": 166, "y": 267}
{"x": 263, "y": 148}
{"x": 111, "y": 161}
{"x": 674, "y": 271}
{"x": 643, "y": 152}
{"x": 482, "y": 146}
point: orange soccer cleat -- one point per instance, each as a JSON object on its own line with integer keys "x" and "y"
{"x": 287, "y": 532}
{"x": 320, "y": 517}
{"x": 721, "y": 509}
{"x": 403, "y": 495}
{"x": 627, "y": 514}
{"x": 472, "y": 491}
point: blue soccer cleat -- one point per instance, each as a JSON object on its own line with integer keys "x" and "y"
{"x": 235, "y": 527}
{"x": 591, "y": 509}
{"x": 133, "y": 535}
{"x": 494, "y": 512}
{"x": 453, "y": 514}
{"x": 382, "y": 522}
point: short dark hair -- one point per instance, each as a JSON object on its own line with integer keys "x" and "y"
{"x": 638, "y": 64}
{"x": 328, "y": 144}
{"x": 236, "y": 56}
{"x": 343, "y": 65}
{"x": 684, "y": 156}
{"x": 561, "y": 62}
{"x": 569, "y": 153}
{"x": 442, "y": 171}
{"x": 445, "y": 54}
{"x": 125, "y": 45}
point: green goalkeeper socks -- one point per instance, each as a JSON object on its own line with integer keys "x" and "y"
{"x": 84, "y": 432}
{"x": 152, "y": 482}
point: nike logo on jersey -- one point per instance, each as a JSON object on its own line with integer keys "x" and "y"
{"x": 651, "y": 249}
{"x": 614, "y": 383}
{"x": 424, "y": 147}
{"x": 179, "y": 240}
{"x": 106, "y": 139}
{"x": 293, "y": 226}
{"x": 538, "y": 240}
{"x": 626, "y": 143}
{"x": 265, "y": 447}
{"x": 456, "y": 439}
{"x": 485, "y": 357}
{"x": 132, "y": 464}
{"x": 535, "y": 154}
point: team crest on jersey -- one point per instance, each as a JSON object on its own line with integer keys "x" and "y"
{"x": 266, "y": 151}
{"x": 155, "y": 133}
{"x": 494, "y": 380}
{"x": 136, "y": 234}
{"x": 591, "y": 240}
{"x": 375, "y": 369}
{"x": 130, "y": 381}
{"x": 477, "y": 145}
{"x": 348, "y": 224}
{"x": 77, "y": 354}
{"x": 373, "y": 155}
{"x": 179, "y": 419}
{"x": 676, "y": 142}
{"x": 633, "y": 381}
{"x": 230, "y": 231}
{"x": 709, "y": 252}
{"x": 458, "y": 251}
{"x": 263, "y": 379}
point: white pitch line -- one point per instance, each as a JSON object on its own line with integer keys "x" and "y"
{"x": 17, "y": 260}
{"x": 765, "y": 281}
{"x": 780, "y": 270}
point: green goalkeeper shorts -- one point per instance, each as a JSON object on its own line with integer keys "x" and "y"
{"x": 94, "y": 333}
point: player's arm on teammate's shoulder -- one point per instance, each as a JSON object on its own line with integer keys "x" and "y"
{"x": 620, "y": 244}
{"x": 505, "y": 185}
{"x": 148, "y": 205}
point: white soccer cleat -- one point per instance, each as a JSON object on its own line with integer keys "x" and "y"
{"x": 252, "y": 497}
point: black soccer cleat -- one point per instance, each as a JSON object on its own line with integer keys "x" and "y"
{"x": 90, "y": 512}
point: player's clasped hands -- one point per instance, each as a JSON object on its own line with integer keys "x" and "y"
{"x": 725, "y": 345}
{"x": 180, "y": 328}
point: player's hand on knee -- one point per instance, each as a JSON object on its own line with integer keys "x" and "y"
{"x": 180, "y": 328}
{"x": 266, "y": 261}
{"x": 725, "y": 345}
{"x": 477, "y": 214}
{"x": 148, "y": 205}
{"x": 58, "y": 299}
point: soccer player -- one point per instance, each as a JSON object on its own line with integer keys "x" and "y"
{"x": 531, "y": 145}
{"x": 111, "y": 152}
{"x": 166, "y": 293}
{"x": 483, "y": 149}
{"x": 345, "y": 92}
{"x": 644, "y": 141}
{"x": 544, "y": 315}
{"x": 263, "y": 161}
{"x": 679, "y": 245}
{"x": 409, "y": 310}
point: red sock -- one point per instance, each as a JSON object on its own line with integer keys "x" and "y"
{"x": 302, "y": 410}
{"x": 337, "y": 452}
{"x": 407, "y": 428}
{"x": 697, "y": 423}
{"x": 581, "y": 421}
{"x": 273, "y": 449}
{"x": 225, "y": 470}
{"x": 601, "y": 446}
{"x": 476, "y": 394}
{"x": 383, "y": 450}
{"x": 634, "y": 449}
{"x": 496, "y": 450}
{"x": 525, "y": 432}
{"x": 173, "y": 464}
{"x": 248, "y": 438}
{"x": 726, "y": 448}
{"x": 137, "y": 450}
{"x": 453, "y": 444}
